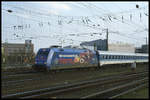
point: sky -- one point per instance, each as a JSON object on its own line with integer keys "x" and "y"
{"x": 70, "y": 23}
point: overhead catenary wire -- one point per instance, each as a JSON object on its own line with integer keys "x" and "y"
{"x": 85, "y": 25}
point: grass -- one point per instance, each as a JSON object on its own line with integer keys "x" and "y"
{"x": 141, "y": 93}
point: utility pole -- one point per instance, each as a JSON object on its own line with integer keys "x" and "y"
{"x": 107, "y": 39}
{"x": 146, "y": 40}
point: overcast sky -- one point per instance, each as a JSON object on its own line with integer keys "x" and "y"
{"x": 70, "y": 23}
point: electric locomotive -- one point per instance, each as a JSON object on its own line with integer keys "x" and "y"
{"x": 64, "y": 58}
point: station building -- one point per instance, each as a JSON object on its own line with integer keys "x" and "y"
{"x": 17, "y": 52}
{"x": 142, "y": 49}
{"x": 102, "y": 45}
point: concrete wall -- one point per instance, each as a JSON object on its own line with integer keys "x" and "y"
{"x": 121, "y": 47}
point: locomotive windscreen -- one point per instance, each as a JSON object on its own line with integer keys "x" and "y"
{"x": 43, "y": 53}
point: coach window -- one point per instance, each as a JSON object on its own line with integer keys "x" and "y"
{"x": 112, "y": 57}
{"x": 101, "y": 56}
{"x": 115, "y": 57}
{"x": 104, "y": 56}
{"x": 109, "y": 57}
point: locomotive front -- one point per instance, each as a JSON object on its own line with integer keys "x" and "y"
{"x": 41, "y": 59}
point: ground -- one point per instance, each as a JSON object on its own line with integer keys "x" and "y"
{"x": 140, "y": 93}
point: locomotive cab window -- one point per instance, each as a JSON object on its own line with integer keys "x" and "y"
{"x": 43, "y": 53}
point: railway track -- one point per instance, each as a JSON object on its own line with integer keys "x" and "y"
{"x": 54, "y": 91}
{"x": 12, "y": 75}
{"x": 118, "y": 90}
{"x": 32, "y": 74}
{"x": 40, "y": 77}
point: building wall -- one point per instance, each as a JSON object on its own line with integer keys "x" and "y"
{"x": 142, "y": 49}
{"x": 11, "y": 48}
{"x": 18, "y": 53}
{"x": 100, "y": 44}
{"x": 121, "y": 47}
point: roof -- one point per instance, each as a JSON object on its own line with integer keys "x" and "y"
{"x": 121, "y": 53}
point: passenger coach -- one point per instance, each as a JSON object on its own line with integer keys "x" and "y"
{"x": 107, "y": 57}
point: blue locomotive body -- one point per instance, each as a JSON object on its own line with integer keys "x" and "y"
{"x": 61, "y": 58}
